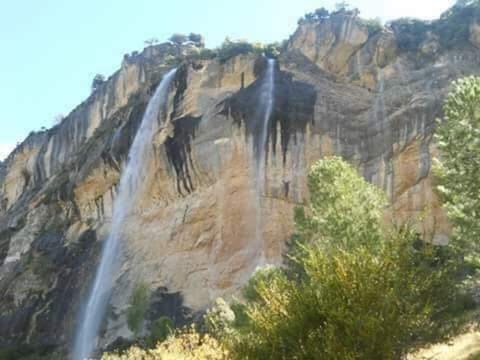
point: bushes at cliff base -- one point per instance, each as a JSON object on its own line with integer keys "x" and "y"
{"x": 184, "y": 345}
{"x": 353, "y": 288}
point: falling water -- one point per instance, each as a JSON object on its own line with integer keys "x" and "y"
{"x": 266, "y": 108}
{"x": 130, "y": 182}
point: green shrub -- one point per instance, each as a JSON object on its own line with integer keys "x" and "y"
{"x": 219, "y": 319}
{"x": 374, "y": 26}
{"x": 410, "y": 33}
{"x": 185, "y": 345}
{"x": 160, "y": 329}
{"x": 359, "y": 289}
{"x": 230, "y": 49}
{"x": 137, "y": 308}
{"x": 272, "y": 50}
{"x": 458, "y": 172}
{"x": 207, "y": 54}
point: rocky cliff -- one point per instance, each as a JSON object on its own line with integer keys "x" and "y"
{"x": 339, "y": 89}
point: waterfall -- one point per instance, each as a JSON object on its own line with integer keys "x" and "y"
{"x": 266, "y": 107}
{"x": 130, "y": 183}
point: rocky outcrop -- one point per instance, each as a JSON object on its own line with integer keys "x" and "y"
{"x": 338, "y": 90}
{"x": 330, "y": 43}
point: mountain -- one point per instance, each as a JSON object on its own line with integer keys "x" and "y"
{"x": 214, "y": 196}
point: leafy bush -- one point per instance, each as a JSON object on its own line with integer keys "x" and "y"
{"x": 178, "y": 39}
{"x": 219, "y": 318}
{"x": 197, "y": 39}
{"x": 373, "y": 25}
{"x": 272, "y": 50}
{"x": 230, "y": 49}
{"x": 358, "y": 290}
{"x": 97, "y": 81}
{"x": 458, "y": 139}
{"x": 453, "y": 28}
{"x": 137, "y": 308}
{"x": 318, "y": 15}
{"x": 410, "y": 33}
{"x": 161, "y": 329}
{"x": 186, "y": 345}
{"x": 204, "y": 54}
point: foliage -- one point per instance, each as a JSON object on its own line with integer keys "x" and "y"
{"x": 98, "y": 80}
{"x": 230, "y": 49}
{"x": 359, "y": 289}
{"x": 272, "y": 50}
{"x": 186, "y": 345}
{"x": 219, "y": 318}
{"x": 178, "y": 39}
{"x": 197, "y": 39}
{"x": 151, "y": 41}
{"x": 203, "y": 54}
{"x": 458, "y": 172}
{"x": 137, "y": 308}
{"x": 317, "y": 15}
{"x": 161, "y": 329}
{"x": 344, "y": 208}
{"x": 410, "y": 33}
{"x": 452, "y": 29}
{"x": 373, "y": 25}
{"x": 27, "y": 352}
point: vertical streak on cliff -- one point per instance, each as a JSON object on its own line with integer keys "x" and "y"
{"x": 380, "y": 118}
{"x": 129, "y": 189}
{"x": 267, "y": 92}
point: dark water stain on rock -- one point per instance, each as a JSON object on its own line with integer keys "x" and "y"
{"x": 169, "y": 304}
{"x": 179, "y": 151}
{"x": 293, "y": 110}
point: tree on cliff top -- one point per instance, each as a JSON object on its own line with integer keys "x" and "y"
{"x": 178, "y": 39}
{"x": 98, "y": 80}
{"x": 151, "y": 41}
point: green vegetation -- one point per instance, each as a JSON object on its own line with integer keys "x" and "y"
{"x": 28, "y": 352}
{"x": 97, "y": 81}
{"x": 230, "y": 49}
{"x": 137, "y": 308}
{"x": 161, "y": 329}
{"x": 410, "y": 33}
{"x": 185, "y": 345}
{"x": 452, "y": 29}
{"x": 458, "y": 139}
{"x": 374, "y": 26}
{"x": 180, "y": 39}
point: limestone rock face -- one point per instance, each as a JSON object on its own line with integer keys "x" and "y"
{"x": 201, "y": 222}
{"x": 330, "y": 43}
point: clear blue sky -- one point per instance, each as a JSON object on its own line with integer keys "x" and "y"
{"x": 51, "y": 49}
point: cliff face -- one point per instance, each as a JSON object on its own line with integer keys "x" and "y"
{"x": 194, "y": 236}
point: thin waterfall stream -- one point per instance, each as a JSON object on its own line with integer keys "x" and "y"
{"x": 266, "y": 101}
{"x": 130, "y": 184}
